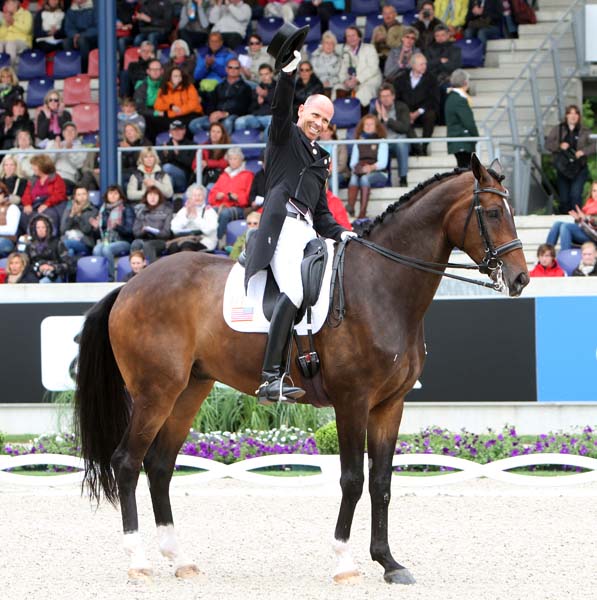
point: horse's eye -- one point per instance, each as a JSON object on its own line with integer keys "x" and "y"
{"x": 493, "y": 213}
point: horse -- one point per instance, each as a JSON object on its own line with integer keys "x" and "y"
{"x": 151, "y": 350}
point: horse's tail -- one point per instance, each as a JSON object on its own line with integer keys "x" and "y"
{"x": 102, "y": 405}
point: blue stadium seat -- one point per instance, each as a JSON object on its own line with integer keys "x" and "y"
{"x": 371, "y": 23}
{"x": 314, "y": 34}
{"x": 92, "y": 269}
{"x": 339, "y": 23}
{"x": 90, "y": 139}
{"x": 311, "y": 47}
{"x": 200, "y": 137}
{"x": 32, "y": 64}
{"x": 37, "y": 90}
{"x": 234, "y": 229}
{"x": 408, "y": 18}
{"x": 164, "y": 55}
{"x": 403, "y": 6}
{"x": 67, "y": 63}
{"x": 95, "y": 198}
{"x": 248, "y": 136}
{"x": 267, "y": 28}
{"x": 3, "y": 263}
{"x": 254, "y": 165}
{"x": 4, "y": 59}
{"x": 347, "y": 112}
{"x": 472, "y": 52}
{"x": 569, "y": 259}
{"x": 123, "y": 268}
{"x": 364, "y": 7}
{"x": 161, "y": 139}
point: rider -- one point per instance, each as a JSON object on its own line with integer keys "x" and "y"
{"x": 294, "y": 212}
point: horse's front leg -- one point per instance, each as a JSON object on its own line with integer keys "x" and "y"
{"x": 351, "y": 438}
{"x": 382, "y": 431}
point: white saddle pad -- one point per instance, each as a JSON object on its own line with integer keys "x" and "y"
{"x": 245, "y": 313}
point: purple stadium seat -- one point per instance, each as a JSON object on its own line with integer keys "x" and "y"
{"x": 67, "y": 63}
{"x": 161, "y": 139}
{"x": 3, "y": 262}
{"x": 371, "y": 23}
{"x": 347, "y": 112}
{"x": 92, "y": 269}
{"x": 364, "y": 7}
{"x": 235, "y": 229}
{"x": 37, "y": 90}
{"x": 123, "y": 268}
{"x": 569, "y": 259}
{"x": 200, "y": 137}
{"x": 4, "y": 59}
{"x": 314, "y": 23}
{"x": 472, "y": 52}
{"x": 32, "y": 65}
{"x": 95, "y": 198}
{"x": 403, "y": 6}
{"x": 248, "y": 136}
{"x": 267, "y": 28}
{"x": 339, "y": 23}
{"x": 254, "y": 165}
{"x": 408, "y": 18}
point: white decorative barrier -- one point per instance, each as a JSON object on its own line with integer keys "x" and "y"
{"x": 329, "y": 466}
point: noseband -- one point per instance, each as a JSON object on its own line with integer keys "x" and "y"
{"x": 491, "y": 261}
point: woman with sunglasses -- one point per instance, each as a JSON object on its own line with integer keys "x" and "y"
{"x": 307, "y": 84}
{"x": 51, "y": 118}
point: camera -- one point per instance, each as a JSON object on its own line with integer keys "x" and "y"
{"x": 426, "y": 14}
{"x": 352, "y": 71}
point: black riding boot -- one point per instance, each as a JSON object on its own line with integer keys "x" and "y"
{"x": 271, "y": 375}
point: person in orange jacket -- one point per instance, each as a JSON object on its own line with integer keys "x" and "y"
{"x": 177, "y": 97}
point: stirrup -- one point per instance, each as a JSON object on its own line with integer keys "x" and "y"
{"x": 270, "y": 392}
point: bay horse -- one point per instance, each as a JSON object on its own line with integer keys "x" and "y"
{"x": 151, "y": 350}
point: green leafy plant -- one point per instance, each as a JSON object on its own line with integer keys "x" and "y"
{"x": 326, "y": 438}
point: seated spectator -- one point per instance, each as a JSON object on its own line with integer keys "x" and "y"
{"x": 230, "y": 99}
{"x": 484, "y": 20}
{"x": 17, "y": 119}
{"x": 230, "y": 194}
{"x": 573, "y": 233}
{"x": 547, "y": 265}
{"x": 256, "y": 193}
{"x": 46, "y": 194}
{"x": 307, "y": 84}
{"x": 240, "y": 243}
{"x": 182, "y": 57}
{"x": 252, "y": 62}
{"x": 24, "y": 141}
{"x": 132, "y": 138}
{"x": 194, "y": 226}
{"x": 137, "y": 69}
{"x": 178, "y": 163}
{"x": 89, "y": 176}
{"x": 453, "y": 14}
{"x": 51, "y": 118}
{"x": 77, "y": 226}
{"x": 588, "y": 261}
{"x": 337, "y": 209}
{"x": 283, "y": 9}
{"x": 80, "y": 28}
{"x": 211, "y": 65}
{"x": 114, "y": 226}
{"x": 48, "y": 26}
{"x": 425, "y": 24}
{"x": 398, "y": 61}
{"x": 138, "y": 262}
{"x": 151, "y": 228}
{"x": 128, "y": 114}
{"x": 149, "y": 174}
{"x": 322, "y": 9}
{"x": 46, "y": 255}
{"x": 17, "y": 269}
{"x": 10, "y": 90}
{"x": 443, "y": 56}
{"x": 12, "y": 177}
{"x": 10, "y": 216}
{"x": 367, "y": 162}
{"x": 231, "y": 19}
{"x": 260, "y": 110}
{"x": 177, "y": 97}
{"x": 154, "y": 21}
{"x": 16, "y": 29}
{"x": 125, "y": 12}
{"x": 387, "y": 35}
{"x": 146, "y": 94}
{"x": 341, "y": 161}
{"x": 68, "y": 165}
{"x": 213, "y": 161}
{"x": 193, "y": 26}
{"x": 326, "y": 61}
{"x": 394, "y": 115}
{"x": 359, "y": 74}
{"x": 419, "y": 91}
{"x": 460, "y": 120}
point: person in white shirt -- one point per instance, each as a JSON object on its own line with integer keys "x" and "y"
{"x": 231, "y": 18}
{"x": 68, "y": 164}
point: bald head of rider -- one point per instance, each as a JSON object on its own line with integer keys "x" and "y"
{"x": 314, "y": 115}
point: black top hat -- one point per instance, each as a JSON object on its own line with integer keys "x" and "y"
{"x": 287, "y": 39}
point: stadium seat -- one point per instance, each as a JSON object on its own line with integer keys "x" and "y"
{"x": 235, "y": 229}
{"x": 86, "y": 117}
{"x": 248, "y": 136}
{"x": 408, "y": 18}
{"x": 67, "y": 63}
{"x": 164, "y": 55}
{"x": 254, "y": 165}
{"x": 403, "y": 6}
{"x": 92, "y": 269}
{"x": 569, "y": 259}
{"x": 123, "y": 268}
{"x": 90, "y": 139}
{"x": 95, "y": 198}
{"x": 314, "y": 34}
{"x": 364, "y": 7}
{"x": 130, "y": 55}
{"x": 93, "y": 63}
{"x": 347, "y": 112}
{"x": 37, "y": 90}
{"x": 3, "y": 262}
{"x": 472, "y": 52}
{"x": 162, "y": 138}
{"x": 338, "y": 24}
{"x": 200, "y": 137}
{"x": 311, "y": 46}
{"x": 4, "y": 59}
{"x": 77, "y": 90}
{"x": 32, "y": 65}
{"x": 267, "y": 28}
{"x": 371, "y": 23}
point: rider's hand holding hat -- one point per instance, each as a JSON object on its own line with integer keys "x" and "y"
{"x": 293, "y": 64}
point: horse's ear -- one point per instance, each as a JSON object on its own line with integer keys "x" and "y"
{"x": 478, "y": 169}
{"x": 496, "y": 166}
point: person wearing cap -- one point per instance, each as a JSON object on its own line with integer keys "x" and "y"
{"x": 68, "y": 164}
{"x": 295, "y": 208}
{"x": 178, "y": 163}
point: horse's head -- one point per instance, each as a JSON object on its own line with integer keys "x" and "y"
{"x": 483, "y": 226}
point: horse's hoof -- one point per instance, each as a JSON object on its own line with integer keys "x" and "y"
{"x": 348, "y": 577}
{"x": 187, "y": 572}
{"x": 140, "y": 575}
{"x": 402, "y": 576}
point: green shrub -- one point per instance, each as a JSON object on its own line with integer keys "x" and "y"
{"x": 2, "y": 439}
{"x": 326, "y": 438}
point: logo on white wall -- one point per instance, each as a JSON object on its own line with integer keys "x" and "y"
{"x": 59, "y": 351}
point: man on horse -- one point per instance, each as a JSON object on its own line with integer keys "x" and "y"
{"x": 294, "y": 212}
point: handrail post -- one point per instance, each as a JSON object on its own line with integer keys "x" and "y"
{"x": 578, "y": 34}
{"x": 520, "y": 202}
{"x": 557, "y": 75}
{"x": 538, "y": 112}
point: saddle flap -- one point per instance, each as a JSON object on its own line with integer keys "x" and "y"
{"x": 313, "y": 269}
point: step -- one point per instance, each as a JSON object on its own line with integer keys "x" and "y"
{"x": 547, "y": 15}
{"x": 498, "y": 59}
{"x": 528, "y": 43}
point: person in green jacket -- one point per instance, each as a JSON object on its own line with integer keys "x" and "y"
{"x": 460, "y": 120}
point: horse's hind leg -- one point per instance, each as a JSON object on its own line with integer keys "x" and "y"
{"x": 382, "y": 431}
{"x": 159, "y": 465}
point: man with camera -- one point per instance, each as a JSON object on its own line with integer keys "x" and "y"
{"x": 425, "y": 24}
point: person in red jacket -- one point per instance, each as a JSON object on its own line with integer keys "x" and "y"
{"x": 547, "y": 265}
{"x": 46, "y": 194}
{"x": 338, "y": 210}
{"x": 213, "y": 162}
{"x": 230, "y": 194}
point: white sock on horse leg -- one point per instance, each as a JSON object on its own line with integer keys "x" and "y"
{"x": 133, "y": 546}
{"x": 345, "y": 563}
{"x": 169, "y": 546}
